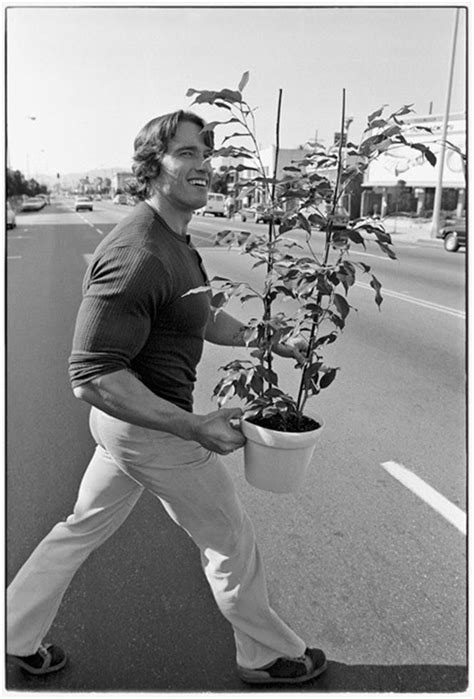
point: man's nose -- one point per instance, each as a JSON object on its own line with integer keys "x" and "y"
{"x": 206, "y": 165}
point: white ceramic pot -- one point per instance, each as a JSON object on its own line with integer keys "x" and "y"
{"x": 277, "y": 461}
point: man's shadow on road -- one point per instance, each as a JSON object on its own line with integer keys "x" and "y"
{"x": 340, "y": 677}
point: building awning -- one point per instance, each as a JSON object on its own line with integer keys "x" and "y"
{"x": 420, "y": 183}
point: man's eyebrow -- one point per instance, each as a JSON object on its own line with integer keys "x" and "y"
{"x": 191, "y": 147}
{"x": 186, "y": 147}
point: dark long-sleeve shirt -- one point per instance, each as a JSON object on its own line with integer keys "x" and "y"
{"x": 133, "y": 314}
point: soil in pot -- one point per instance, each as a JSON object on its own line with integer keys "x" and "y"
{"x": 286, "y": 423}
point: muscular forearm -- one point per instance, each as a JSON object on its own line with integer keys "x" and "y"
{"x": 125, "y": 397}
{"x": 224, "y": 329}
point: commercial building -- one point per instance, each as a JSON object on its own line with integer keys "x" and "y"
{"x": 249, "y": 193}
{"x": 402, "y": 179}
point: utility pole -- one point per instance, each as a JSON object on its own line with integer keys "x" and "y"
{"x": 28, "y": 146}
{"x": 439, "y": 184}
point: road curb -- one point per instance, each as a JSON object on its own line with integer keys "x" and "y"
{"x": 436, "y": 243}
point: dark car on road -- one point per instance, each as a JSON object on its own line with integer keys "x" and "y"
{"x": 453, "y": 232}
{"x": 120, "y": 199}
{"x": 260, "y": 213}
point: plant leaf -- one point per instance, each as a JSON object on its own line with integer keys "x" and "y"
{"x": 356, "y": 237}
{"x": 197, "y": 290}
{"x": 376, "y": 114}
{"x": 341, "y": 305}
{"x": 218, "y": 300}
{"x": 429, "y": 155}
{"x": 244, "y": 80}
{"x": 376, "y": 285}
{"x": 388, "y": 251}
{"x": 328, "y": 378}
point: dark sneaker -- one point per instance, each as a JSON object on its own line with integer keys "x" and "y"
{"x": 287, "y": 670}
{"x": 48, "y": 658}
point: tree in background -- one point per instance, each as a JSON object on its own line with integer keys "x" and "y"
{"x": 223, "y": 180}
{"x": 17, "y": 185}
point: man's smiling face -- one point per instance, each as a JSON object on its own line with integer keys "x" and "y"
{"x": 184, "y": 177}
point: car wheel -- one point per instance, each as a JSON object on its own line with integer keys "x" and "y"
{"x": 244, "y": 218}
{"x": 451, "y": 243}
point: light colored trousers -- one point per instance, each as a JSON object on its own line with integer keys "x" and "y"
{"x": 198, "y": 494}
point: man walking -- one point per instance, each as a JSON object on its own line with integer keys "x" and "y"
{"x": 137, "y": 342}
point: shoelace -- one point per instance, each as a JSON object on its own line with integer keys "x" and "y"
{"x": 45, "y": 654}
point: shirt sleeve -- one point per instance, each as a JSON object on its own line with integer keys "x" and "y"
{"x": 123, "y": 292}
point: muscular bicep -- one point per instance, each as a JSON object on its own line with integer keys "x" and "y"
{"x": 114, "y": 321}
{"x": 107, "y": 337}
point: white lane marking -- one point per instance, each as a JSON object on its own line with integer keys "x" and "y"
{"x": 417, "y": 302}
{"x": 90, "y": 224}
{"x": 438, "y": 502}
{"x": 13, "y": 257}
{"x": 368, "y": 254}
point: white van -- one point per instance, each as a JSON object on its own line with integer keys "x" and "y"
{"x": 215, "y": 205}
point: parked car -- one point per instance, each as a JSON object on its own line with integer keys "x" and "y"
{"x": 215, "y": 205}
{"x": 33, "y": 204}
{"x": 11, "y": 219}
{"x": 120, "y": 199}
{"x": 453, "y": 232}
{"x": 341, "y": 218}
{"x": 83, "y": 204}
{"x": 260, "y": 213}
{"x": 46, "y": 198}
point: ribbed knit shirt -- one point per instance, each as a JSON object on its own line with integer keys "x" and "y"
{"x": 133, "y": 315}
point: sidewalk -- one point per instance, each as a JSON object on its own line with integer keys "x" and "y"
{"x": 410, "y": 230}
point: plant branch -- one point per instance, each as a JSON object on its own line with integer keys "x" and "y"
{"x": 270, "y": 247}
{"x": 302, "y": 392}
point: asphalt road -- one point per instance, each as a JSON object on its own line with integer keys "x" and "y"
{"x": 357, "y": 561}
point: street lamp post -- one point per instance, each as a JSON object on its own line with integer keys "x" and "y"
{"x": 28, "y": 174}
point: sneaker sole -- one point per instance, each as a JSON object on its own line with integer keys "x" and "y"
{"x": 265, "y": 679}
{"x": 36, "y": 670}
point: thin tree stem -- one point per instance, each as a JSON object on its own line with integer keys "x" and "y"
{"x": 302, "y": 391}
{"x": 270, "y": 259}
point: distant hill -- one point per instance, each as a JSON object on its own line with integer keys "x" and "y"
{"x": 70, "y": 179}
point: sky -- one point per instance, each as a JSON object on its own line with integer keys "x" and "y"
{"x": 92, "y": 76}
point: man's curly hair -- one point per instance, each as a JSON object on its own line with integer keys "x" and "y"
{"x": 152, "y": 143}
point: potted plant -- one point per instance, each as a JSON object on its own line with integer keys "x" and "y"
{"x": 280, "y": 436}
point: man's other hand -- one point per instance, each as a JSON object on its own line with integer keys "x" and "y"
{"x": 295, "y": 348}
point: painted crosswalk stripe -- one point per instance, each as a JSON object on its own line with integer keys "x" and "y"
{"x": 438, "y": 502}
